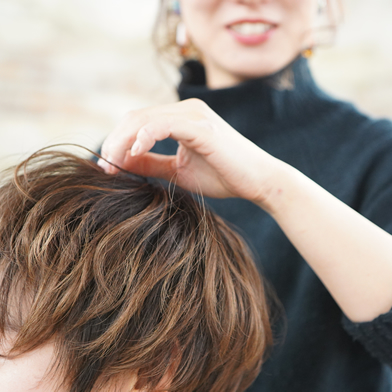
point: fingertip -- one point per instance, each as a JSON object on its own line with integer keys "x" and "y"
{"x": 103, "y": 164}
{"x": 136, "y": 148}
{"x": 107, "y": 165}
{"x": 112, "y": 169}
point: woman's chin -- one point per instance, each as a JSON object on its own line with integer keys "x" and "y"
{"x": 258, "y": 70}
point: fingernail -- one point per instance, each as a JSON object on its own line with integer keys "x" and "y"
{"x": 110, "y": 167}
{"x": 105, "y": 165}
{"x": 135, "y": 148}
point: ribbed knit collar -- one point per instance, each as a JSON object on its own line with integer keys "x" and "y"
{"x": 258, "y": 101}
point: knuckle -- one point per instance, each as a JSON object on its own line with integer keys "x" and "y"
{"x": 133, "y": 116}
{"x": 145, "y": 133}
{"x": 108, "y": 147}
{"x": 198, "y": 110}
{"x": 197, "y": 103}
{"x": 211, "y": 130}
{"x": 169, "y": 123}
{"x": 211, "y": 127}
{"x": 130, "y": 115}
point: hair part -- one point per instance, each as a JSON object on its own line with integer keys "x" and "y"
{"x": 126, "y": 278}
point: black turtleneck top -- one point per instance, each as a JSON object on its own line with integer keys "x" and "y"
{"x": 349, "y": 155}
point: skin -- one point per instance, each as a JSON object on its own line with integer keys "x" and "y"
{"x": 228, "y": 62}
{"x": 349, "y": 253}
{"x": 26, "y": 372}
{"x": 30, "y": 372}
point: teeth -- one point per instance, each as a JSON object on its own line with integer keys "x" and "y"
{"x": 249, "y": 29}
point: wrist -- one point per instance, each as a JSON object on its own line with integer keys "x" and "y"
{"x": 280, "y": 192}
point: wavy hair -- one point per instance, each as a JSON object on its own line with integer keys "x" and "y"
{"x": 126, "y": 277}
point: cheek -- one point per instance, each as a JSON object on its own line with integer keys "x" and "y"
{"x": 300, "y": 18}
{"x": 199, "y": 5}
{"x": 199, "y": 17}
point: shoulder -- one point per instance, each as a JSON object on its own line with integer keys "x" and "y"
{"x": 354, "y": 158}
{"x": 351, "y": 151}
{"x": 350, "y": 120}
{"x": 343, "y": 127}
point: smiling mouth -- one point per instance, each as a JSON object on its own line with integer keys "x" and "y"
{"x": 250, "y": 29}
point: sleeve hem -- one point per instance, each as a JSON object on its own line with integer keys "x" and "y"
{"x": 375, "y": 335}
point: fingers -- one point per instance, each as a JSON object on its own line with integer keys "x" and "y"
{"x": 188, "y": 122}
{"x": 151, "y": 165}
{"x": 192, "y": 134}
{"x": 147, "y": 136}
{"x": 121, "y": 140}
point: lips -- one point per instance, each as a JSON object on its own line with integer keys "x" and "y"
{"x": 248, "y": 29}
{"x": 251, "y": 32}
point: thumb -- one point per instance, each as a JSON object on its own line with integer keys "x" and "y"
{"x": 151, "y": 165}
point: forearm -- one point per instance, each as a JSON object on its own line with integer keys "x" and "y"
{"x": 351, "y": 255}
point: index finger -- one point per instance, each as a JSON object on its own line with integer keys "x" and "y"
{"x": 118, "y": 142}
{"x": 116, "y": 145}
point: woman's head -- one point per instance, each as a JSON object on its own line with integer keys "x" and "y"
{"x": 242, "y": 39}
{"x": 112, "y": 279}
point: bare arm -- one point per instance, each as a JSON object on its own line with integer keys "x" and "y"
{"x": 351, "y": 255}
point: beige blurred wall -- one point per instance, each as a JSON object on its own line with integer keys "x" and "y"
{"x": 358, "y": 67}
{"x": 69, "y": 69}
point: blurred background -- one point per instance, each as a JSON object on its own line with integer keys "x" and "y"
{"x": 70, "y": 69}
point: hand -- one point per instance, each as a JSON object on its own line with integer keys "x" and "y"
{"x": 350, "y": 254}
{"x": 212, "y": 157}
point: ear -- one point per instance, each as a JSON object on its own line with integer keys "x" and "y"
{"x": 166, "y": 380}
{"x": 163, "y": 385}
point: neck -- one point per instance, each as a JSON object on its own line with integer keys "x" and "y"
{"x": 285, "y": 99}
{"x": 217, "y": 78}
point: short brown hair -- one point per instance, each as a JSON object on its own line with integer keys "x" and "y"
{"x": 126, "y": 276}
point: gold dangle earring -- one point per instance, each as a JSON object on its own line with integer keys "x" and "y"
{"x": 322, "y": 4}
{"x": 186, "y": 48}
{"x": 182, "y": 39}
{"x": 308, "y": 53}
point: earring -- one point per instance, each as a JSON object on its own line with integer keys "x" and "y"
{"x": 181, "y": 34}
{"x": 308, "y": 53}
{"x": 182, "y": 39}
